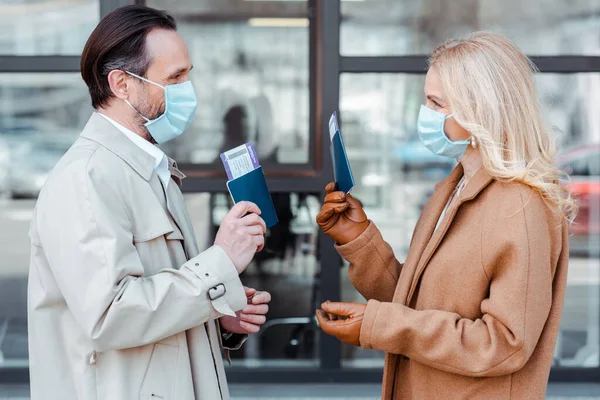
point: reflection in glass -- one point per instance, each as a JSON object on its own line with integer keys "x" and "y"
{"x": 395, "y": 176}
{"x": 41, "y": 115}
{"x": 251, "y": 78}
{"x": 46, "y": 27}
{"x": 539, "y": 27}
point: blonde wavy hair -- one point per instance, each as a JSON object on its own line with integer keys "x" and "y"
{"x": 491, "y": 90}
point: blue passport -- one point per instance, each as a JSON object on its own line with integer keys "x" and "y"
{"x": 252, "y": 187}
{"x": 341, "y": 166}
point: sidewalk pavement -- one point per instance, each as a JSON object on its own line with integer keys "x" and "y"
{"x": 556, "y": 391}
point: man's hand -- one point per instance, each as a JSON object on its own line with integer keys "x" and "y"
{"x": 342, "y": 320}
{"x": 341, "y": 216}
{"x": 241, "y": 234}
{"x": 250, "y": 318}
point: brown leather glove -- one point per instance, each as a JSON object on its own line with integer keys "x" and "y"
{"x": 342, "y": 320}
{"x": 341, "y": 216}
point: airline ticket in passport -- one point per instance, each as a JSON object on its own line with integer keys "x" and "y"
{"x": 239, "y": 161}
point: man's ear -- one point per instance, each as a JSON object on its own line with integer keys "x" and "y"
{"x": 119, "y": 83}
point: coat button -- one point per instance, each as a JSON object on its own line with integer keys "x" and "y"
{"x": 93, "y": 358}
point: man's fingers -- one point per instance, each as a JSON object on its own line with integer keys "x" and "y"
{"x": 255, "y": 230}
{"x": 261, "y": 309}
{"x": 253, "y": 318}
{"x": 250, "y": 328}
{"x": 250, "y": 292}
{"x": 244, "y": 207}
{"x": 261, "y": 298}
{"x": 255, "y": 220}
{"x": 259, "y": 241}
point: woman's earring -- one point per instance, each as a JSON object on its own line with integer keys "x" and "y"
{"x": 473, "y": 143}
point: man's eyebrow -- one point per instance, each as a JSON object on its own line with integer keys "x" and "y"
{"x": 180, "y": 71}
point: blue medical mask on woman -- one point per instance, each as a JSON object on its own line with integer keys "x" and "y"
{"x": 180, "y": 106}
{"x": 430, "y": 126}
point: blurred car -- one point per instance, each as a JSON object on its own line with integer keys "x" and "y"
{"x": 35, "y": 146}
{"x": 33, "y": 161}
{"x": 583, "y": 166}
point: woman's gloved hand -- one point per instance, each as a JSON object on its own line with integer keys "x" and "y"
{"x": 342, "y": 320}
{"x": 341, "y": 217}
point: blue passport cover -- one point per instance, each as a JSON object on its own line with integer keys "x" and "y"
{"x": 253, "y": 187}
{"x": 341, "y": 166}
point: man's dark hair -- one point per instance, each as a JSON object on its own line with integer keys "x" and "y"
{"x": 119, "y": 42}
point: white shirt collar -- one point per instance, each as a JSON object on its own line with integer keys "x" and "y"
{"x": 161, "y": 164}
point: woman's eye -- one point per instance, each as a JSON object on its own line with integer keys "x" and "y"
{"x": 435, "y": 103}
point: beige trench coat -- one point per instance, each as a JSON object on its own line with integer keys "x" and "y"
{"x": 122, "y": 305}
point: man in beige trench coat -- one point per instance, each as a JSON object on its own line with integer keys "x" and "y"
{"x": 122, "y": 304}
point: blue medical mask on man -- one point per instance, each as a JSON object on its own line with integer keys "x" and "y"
{"x": 180, "y": 107}
{"x": 430, "y": 126}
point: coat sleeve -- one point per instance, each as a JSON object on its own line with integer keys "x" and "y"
{"x": 87, "y": 240}
{"x": 374, "y": 270}
{"x": 516, "y": 257}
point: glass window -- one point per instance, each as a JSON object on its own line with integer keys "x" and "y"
{"x": 251, "y": 73}
{"x": 46, "y": 27}
{"x": 395, "y": 176}
{"x": 539, "y": 27}
{"x": 41, "y": 115}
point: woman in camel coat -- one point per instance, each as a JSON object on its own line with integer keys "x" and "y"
{"x": 474, "y": 311}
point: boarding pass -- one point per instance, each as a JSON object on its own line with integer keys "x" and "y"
{"x": 239, "y": 161}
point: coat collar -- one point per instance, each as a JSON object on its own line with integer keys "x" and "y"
{"x": 176, "y": 174}
{"x": 101, "y": 131}
{"x": 479, "y": 181}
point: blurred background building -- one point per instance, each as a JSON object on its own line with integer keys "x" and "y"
{"x": 271, "y": 72}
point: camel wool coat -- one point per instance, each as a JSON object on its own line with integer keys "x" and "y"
{"x": 474, "y": 311}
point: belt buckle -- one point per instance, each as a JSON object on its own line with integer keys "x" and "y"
{"x": 216, "y": 292}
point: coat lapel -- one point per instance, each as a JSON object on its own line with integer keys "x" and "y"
{"x": 424, "y": 230}
{"x": 473, "y": 188}
{"x": 176, "y": 207}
